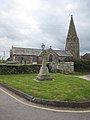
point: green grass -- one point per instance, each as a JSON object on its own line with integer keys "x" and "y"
{"x": 62, "y": 88}
{"x": 80, "y": 73}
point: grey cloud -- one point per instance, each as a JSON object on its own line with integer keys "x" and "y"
{"x": 50, "y": 25}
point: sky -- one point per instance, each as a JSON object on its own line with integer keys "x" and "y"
{"x": 29, "y": 23}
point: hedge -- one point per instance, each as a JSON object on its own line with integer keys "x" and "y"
{"x": 19, "y": 69}
{"x": 79, "y": 66}
{"x": 82, "y": 66}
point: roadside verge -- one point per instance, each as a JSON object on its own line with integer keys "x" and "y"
{"x": 68, "y": 104}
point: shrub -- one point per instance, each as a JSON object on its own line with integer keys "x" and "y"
{"x": 82, "y": 65}
{"x": 19, "y": 69}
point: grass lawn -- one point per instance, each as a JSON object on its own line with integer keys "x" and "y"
{"x": 62, "y": 88}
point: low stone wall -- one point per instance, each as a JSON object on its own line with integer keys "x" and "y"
{"x": 63, "y": 67}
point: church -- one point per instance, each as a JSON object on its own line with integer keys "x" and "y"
{"x": 33, "y": 56}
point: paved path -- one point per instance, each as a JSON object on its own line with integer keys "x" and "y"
{"x": 14, "y": 108}
{"x": 86, "y": 77}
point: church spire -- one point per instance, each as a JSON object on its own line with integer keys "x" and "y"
{"x": 72, "y": 41}
{"x": 72, "y": 30}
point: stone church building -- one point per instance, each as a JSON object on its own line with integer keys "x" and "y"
{"x": 33, "y": 56}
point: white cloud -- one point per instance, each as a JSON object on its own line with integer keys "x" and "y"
{"x": 71, "y": 7}
{"x": 28, "y": 23}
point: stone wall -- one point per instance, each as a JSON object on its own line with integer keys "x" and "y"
{"x": 25, "y": 59}
{"x": 63, "y": 67}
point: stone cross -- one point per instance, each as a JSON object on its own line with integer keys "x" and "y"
{"x": 44, "y": 73}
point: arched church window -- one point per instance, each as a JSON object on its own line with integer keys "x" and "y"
{"x": 50, "y": 58}
{"x": 21, "y": 58}
{"x": 59, "y": 60}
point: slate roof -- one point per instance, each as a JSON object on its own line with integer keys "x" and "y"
{"x": 36, "y": 52}
{"x": 63, "y": 53}
{"x": 87, "y": 54}
{"x": 26, "y": 51}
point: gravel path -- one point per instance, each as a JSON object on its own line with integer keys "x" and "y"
{"x": 86, "y": 77}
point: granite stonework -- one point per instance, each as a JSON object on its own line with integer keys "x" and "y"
{"x": 72, "y": 40}
{"x": 63, "y": 67}
{"x": 44, "y": 73}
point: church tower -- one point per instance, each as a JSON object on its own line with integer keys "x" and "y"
{"x": 72, "y": 41}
